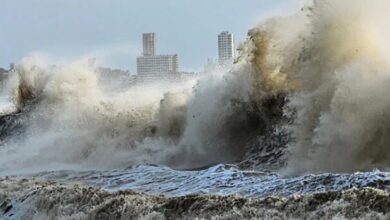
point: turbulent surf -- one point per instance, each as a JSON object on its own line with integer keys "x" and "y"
{"x": 298, "y": 127}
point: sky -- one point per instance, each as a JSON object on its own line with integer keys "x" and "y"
{"x": 111, "y": 30}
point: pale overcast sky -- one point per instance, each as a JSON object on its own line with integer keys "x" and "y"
{"x": 111, "y": 29}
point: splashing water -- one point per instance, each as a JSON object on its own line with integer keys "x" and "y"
{"x": 308, "y": 94}
{"x": 319, "y": 77}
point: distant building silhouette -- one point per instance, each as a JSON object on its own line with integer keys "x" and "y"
{"x": 225, "y": 48}
{"x": 153, "y": 65}
{"x": 157, "y": 65}
{"x": 149, "y": 44}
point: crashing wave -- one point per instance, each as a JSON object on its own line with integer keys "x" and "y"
{"x": 69, "y": 122}
{"x": 308, "y": 94}
{"x": 319, "y": 78}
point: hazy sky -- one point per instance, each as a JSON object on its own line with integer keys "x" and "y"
{"x": 111, "y": 29}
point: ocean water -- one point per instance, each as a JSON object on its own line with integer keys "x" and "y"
{"x": 217, "y": 180}
{"x": 299, "y": 126}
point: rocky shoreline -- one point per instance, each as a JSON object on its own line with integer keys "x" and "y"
{"x": 33, "y": 199}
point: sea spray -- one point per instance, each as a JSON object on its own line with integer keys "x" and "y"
{"x": 71, "y": 123}
{"x": 331, "y": 58}
{"x": 319, "y": 77}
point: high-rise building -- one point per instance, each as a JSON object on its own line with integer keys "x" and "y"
{"x": 157, "y": 65}
{"x": 152, "y": 65}
{"x": 149, "y": 44}
{"x": 225, "y": 48}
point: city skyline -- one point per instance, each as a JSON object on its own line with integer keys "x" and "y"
{"x": 67, "y": 30}
{"x": 151, "y": 63}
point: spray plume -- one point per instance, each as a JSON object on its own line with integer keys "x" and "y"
{"x": 321, "y": 74}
